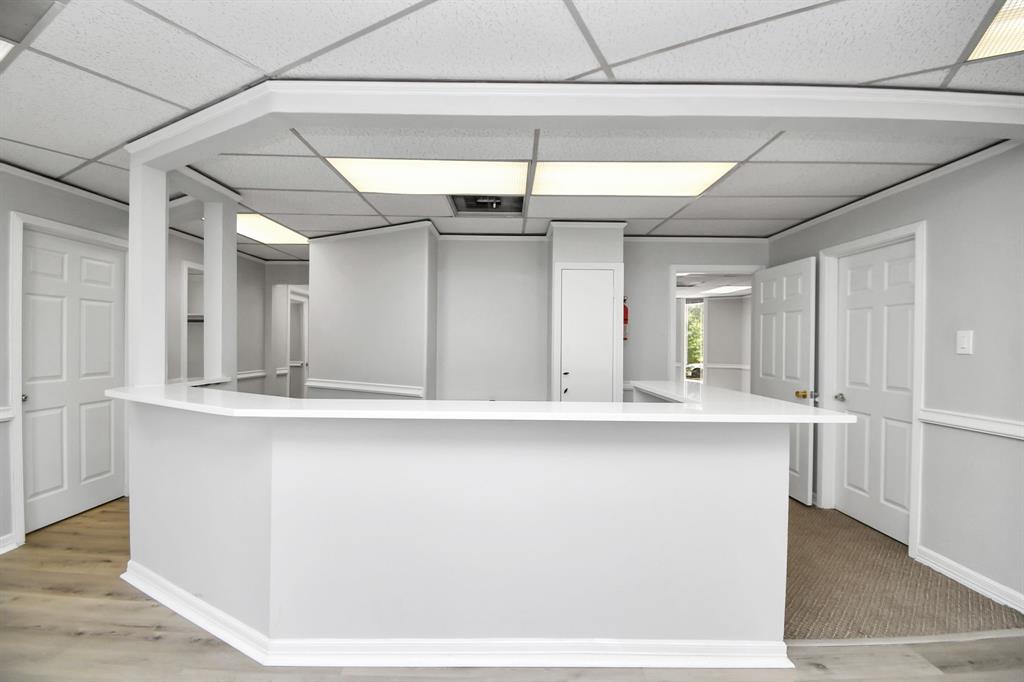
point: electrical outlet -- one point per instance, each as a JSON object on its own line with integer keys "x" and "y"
{"x": 965, "y": 342}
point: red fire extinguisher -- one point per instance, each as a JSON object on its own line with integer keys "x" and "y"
{"x": 625, "y": 320}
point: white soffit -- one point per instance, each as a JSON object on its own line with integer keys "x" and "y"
{"x": 280, "y": 201}
{"x": 767, "y": 208}
{"x": 868, "y": 147}
{"x": 470, "y": 144}
{"x": 721, "y": 228}
{"x": 324, "y": 224}
{"x": 537, "y": 226}
{"x": 274, "y": 34}
{"x": 108, "y": 180}
{"x": 845, "y": 42}
{"x": 641, "y": 227}
{"x": 36, "y": 159}
{"x": 412, "y": 205}
{"x": 273, "y": 172}
{"x": 649, "y": 145}
{"x": 127, "y": 44}
{"x": 60, "y": 107}
{"x": 490, "y": 225}
{"x": 998, "y": 74}
{"x": 512, "y": 40}
{"x": 604, "y": 208}
{"x": 813, "y": 179}
{"x": 627, "y": 29}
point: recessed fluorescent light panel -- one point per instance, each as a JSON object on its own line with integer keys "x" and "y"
{"x": 5, "y": 47}
{"x": 421, "y": 176}
{"x": 627, "y": 179}
{"x": 731, "y": 289}
{"x": 1005, "y": 34}
{"x": 265, "y": 230}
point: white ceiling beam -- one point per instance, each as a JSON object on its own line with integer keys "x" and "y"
{"x": 273, "y": 105}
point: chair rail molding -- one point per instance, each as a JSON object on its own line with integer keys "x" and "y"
{"x": 994, "y": 426}
{"x": 251, "y": 374}
{"x": 366, "y": 387}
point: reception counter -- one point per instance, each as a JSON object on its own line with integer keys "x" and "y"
{"x": 463, "y": 533}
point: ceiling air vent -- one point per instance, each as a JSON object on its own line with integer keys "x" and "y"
{"x": 488, "y": 204}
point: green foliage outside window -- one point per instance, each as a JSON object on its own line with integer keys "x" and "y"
{"x": 694, "y": 333}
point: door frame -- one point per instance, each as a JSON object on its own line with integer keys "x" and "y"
{"x": 298, "y": 294}
{"x": 18, "y": 223}
{"x": 673, "y": 270}
{"x": 554, "y": 380}
{"x": 828, "y": 361}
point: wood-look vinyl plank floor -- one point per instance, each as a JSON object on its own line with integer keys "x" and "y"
{"x": 65, "y": 615}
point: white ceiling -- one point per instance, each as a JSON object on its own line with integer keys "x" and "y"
{"x": 94, "y": 74}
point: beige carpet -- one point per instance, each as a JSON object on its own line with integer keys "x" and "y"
{"x": 847, "y": 581}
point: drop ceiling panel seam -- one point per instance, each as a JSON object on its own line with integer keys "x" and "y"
{"x": 974, "y": 40}
{"x": 589, "y": 39}
{"x": 531, "y": 173}
{"x": 334, "y": 170}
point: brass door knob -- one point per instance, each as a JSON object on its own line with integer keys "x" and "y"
{"x": 802, "y": 395}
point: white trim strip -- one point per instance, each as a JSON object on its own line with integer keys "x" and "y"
{"x": 463, "y": 652}
{"x": 6, "y": 414}
{"x": 983, "y": 155}
{"x": 56, "y": 184}
{"x": 365, "y": 387}
{"x": 251, "y": 374}
{"x": 8, "y": 542}
{"x": 384, "y": 229}
{"x": 919, "y": 639}
{"x": 719, "y": 365}
{"x": 281, "y": 371}
{"x": 697, "y": 240}
{"x": 493, "y": 238}
{"x": 971, "y": 578}
{"x": 295, "y": 363}
{"x": 995, "y": 426}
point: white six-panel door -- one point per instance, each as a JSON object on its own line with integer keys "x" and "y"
{"x": 875, "y": 382}
{"x": 72, "y": 351}
{"x": 588, "y": 335}
{"x": 782, "y": 355}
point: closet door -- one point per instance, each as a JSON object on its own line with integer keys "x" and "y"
{"x": 588, "y": 335}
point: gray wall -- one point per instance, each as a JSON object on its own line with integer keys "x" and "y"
{"x": 492, "y": 319}
{"x": 973, "y": 484}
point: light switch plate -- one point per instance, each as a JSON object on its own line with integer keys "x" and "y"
{"x": 965, "y": 342}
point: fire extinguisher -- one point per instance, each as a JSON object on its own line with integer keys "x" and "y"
{"x": 625, "y": 319}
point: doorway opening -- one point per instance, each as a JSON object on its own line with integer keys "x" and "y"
{"x": 193, "y": 322}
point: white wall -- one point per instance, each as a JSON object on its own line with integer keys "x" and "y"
{"x": 251, "y": 275}
{"x": 276, "y": 273}
{"x": 727, "y": 342}
{"x": 370, "y": 303}
{"x": 492, "y": 319}
{"x": 649, "y": 288}
{"x": 973, "y": 484}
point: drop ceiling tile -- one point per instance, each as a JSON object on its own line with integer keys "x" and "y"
{"x": 311, "y": 224}
{"x": 274, "y": 34}
{"x": 192, "y": 227}
{"x": 604, "y": 208}
{"x": 421, "y": 143}
{"x": 36, "y": 159}
{"x": 118, "y": 157}
{"x": 640, "y": 227}
{"x": 512, "y": 40}
{"x": 865, "y": 147}
{"x": 627, "y": 29}
{"x": 648, "y": 145}
{"x": 835, "y": 43}
{"x": 721, "y": 228}
{"x": 537, "y": 226}
{"x": 813, "y": 179}
{"x": 284, "y": 201}
{"x": 490, "y": 225}
{"x": 926, "y": 79}
{"x": 273, "y": 172}
{"x": 265, "y": 252}
{"x": 106, "y": 180}
{"x": 762, "y": 208}
{"x": 130, "y": 45}
{"x": 279, "y": 142}
{"x": 999, "y": 74}
{"x": 419, "y": 205}
{"x": 294, "y": 250}
{"x": 63, "y": 108}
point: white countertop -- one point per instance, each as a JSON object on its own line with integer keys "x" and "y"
{"x": 714, "y": 405}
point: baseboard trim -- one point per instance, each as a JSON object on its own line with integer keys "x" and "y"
{"x": 994, "y": 426}
{"x": 483, "y": 652}
{"x": 365, "y": 387}
{"x": 7, "y": 543}
{"x": 971, "y": 578}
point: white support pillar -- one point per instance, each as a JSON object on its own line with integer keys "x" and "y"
{"x": 146, "y": 343}
{"x": 220, "y": 291}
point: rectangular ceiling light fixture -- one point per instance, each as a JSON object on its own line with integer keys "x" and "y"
{"x": 627, "y": 179}
{"x": 1005, "y": 34}
{"x": 730, "y": 289}
{"x": 5, "y": 47}
{"x": 424, "y": 176}
{"x": 266, "y": 231}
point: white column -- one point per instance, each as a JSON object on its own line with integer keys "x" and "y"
{"x": 220, "y": 291}
{"x": 146, "y": 343}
